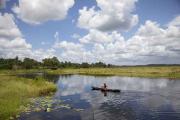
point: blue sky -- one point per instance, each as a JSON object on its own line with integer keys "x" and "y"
{"x": 40, "y": 32}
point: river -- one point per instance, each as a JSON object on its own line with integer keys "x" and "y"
{"x": 139, "y": 99}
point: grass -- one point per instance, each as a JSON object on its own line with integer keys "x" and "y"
{"x": 172, "y": 72}
{"x": 15, "y": 93}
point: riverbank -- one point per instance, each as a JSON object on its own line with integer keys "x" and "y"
{"x": 172, "y": 72}
{"x": 15, "y": 93}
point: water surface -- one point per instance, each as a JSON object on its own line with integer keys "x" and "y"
{"x": 140, "y": 99}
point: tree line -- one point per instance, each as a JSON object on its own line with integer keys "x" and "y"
{"x": 47, "y": 63}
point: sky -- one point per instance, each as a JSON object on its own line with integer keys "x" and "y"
{"x": 121, "y": 32}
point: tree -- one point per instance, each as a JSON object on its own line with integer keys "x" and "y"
{"x": 85, "y": 65}
{"x": 51, "y": 62}
{"x": 9, "y": 63}
{"x": 99, "y": 64}
{"x": 30, "y": 63}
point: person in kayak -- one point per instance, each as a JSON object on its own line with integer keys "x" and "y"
{"x": 105, "y": 86}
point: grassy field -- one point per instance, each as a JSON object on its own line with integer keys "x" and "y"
{"x": 15, "y": 93}
{"x": 140, "y": 71}
{"x": 172, "y": 72}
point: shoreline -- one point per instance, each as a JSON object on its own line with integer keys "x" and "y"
{"x": 172, "y": 72}
{"x": 15, "y": 94}
{"x": 169, "y": 72}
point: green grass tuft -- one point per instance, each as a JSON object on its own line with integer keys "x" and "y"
{"x": 15, "y": 92}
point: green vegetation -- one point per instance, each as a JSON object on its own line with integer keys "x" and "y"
{"x": 48, "y": 63}
{"x": 54, "y": 66}
{"x": 15, "y": 93}
{"x": 172, "y": 72}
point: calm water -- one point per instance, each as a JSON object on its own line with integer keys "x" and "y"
{"x": 140, "y": 99}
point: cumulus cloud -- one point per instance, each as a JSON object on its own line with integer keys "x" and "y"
{"x": 38, "y": 11}
{"x": 40, "y": 54}
{"x": 8, "y": 28}
{"x": 175, "y": 21}
{"x": 111, "y": 15}
{"x": 158, "y": 40}
{"x": 68, "y": 46}
{"x": 96, "y": 36}
{"x": 70, "y": 51}
{"x": 149, "y": 45}
{"x": 13, "y": 44}
{"x": 11, "y": 40}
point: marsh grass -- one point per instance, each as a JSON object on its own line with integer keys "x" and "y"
{"x": 172, "y": 72}
{"x": 15, "y": 92}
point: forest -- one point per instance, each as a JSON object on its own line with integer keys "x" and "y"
{"x": 47, "y": 63}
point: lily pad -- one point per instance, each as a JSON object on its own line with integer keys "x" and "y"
{"x": 48, "y": 109}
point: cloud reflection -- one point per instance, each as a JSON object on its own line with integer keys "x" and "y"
{"x": 150, "y": 96}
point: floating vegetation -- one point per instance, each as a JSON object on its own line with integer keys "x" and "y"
{"x": 47, "y": 104}
{"x": 79, "y": 110}
{"x": 48, "y": 109}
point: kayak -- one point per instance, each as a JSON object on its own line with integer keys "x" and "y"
{"x": 105, "y": 90}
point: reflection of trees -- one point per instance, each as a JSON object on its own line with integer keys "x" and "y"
{"x": 65, "y": 76}
{"x": 55, "y": 78}
{"x": 52, "y": 78}
{"x": 49, "y": 77}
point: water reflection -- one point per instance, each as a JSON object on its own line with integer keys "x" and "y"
{"x": 140, "y": 98}
{"x": 49, "y": 77}
{"x": 77, "y": 84}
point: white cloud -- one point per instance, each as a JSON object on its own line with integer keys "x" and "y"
{"x": 153, "y": 44}
{"x": 150, "y": 29}
{"x": 38, "y": 11}
{"x": 11, "y": 40}
{"x": 74, "y": 52}
{"x": 8, "y": 28}
{"x": 40, "y": 54}
{"x": 175, "y": 21}
{"x": 17, "y": 43}
{"x": 96, "y": 36}
{"x": 13, "y": 44}
{"x": 69, "y": 46}
{"x": 150, "y": 44}
{"x": 112, "y": 15}
{"x": 71, "y": 51}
